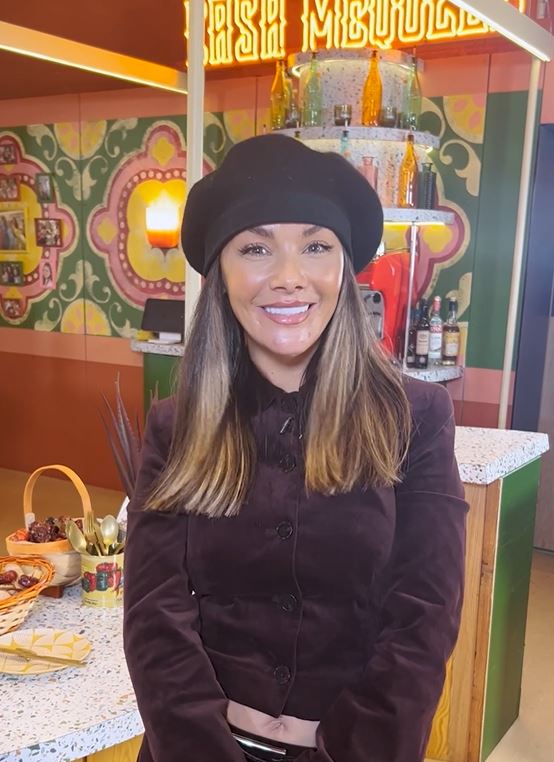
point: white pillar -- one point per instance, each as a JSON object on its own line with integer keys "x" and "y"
{"x": 195, "y": 132}
{"x": 519, "y": 245}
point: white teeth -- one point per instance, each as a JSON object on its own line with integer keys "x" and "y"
{"x": 287, "y": 310}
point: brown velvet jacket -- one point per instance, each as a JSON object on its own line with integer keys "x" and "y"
{"x": 341, "y": 609}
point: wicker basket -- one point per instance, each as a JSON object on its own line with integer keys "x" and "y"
{"x": 13, "y": 610}
{"x": 65, "y": 560}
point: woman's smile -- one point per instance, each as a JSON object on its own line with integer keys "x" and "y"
{"x": 288, "y": 313}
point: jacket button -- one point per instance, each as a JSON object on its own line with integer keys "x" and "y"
{"x": 287, "y": 603}
{"x": 285, "y": 530}
{"x": 287, "y": 463}
{"x": 282, "y": 674}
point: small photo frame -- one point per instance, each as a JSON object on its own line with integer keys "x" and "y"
{"x": 9, "y": 188}
{"x": 7, "y": 153}
{"x": 11, "y": 274}
{"x": 46, "y": 275}
{"x": 13, "y": 231}
{"x": 48, "y": 232}
{"x": 13, "y": 308}
{"x": 44, "y": 188}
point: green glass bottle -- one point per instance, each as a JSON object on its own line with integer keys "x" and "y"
{"x": 312, "y": 101}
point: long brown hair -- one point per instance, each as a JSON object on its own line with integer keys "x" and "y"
{"x": 213, "y": 456}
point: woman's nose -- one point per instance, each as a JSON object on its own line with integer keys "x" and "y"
{"x": 288, "y": 273}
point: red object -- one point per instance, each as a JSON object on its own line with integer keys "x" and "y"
{"x": 106, "y": 567}
{"x": 91, "y": 580}
{"x": 390, "y": 274}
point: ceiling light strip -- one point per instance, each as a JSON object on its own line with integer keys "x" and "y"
{"x": 48, "y": 47}
{"x": 515, "y": 26}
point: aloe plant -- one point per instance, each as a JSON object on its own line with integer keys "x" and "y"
{"x": 124, "y": 438}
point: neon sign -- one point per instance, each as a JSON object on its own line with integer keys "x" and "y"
{"x": 249, "y": 31}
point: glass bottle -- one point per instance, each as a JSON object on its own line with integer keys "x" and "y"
{"x": 412, "y": 337}
{"x": 372, "y": 93}
{"x": 278, "y": 108}
{"x": 451, "y": 335}
{"x": 345, "y": 145}
{"x": 413, "y": 113}
{"x": 422, "y": 337}
{"x": 370, "y": 170}
{"x": 427, "y": 186}
{"x": 435, "y": 333}
{"x": 312, "y": 101}
{"x": 407, "y": 181}
{"x": 293, "y": 110}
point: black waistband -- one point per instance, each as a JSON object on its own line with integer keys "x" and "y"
{"x": 255, "y": 754}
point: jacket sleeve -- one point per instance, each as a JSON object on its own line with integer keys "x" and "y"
{"x": 386, "y": 716}
{"x": 182, "y": 705}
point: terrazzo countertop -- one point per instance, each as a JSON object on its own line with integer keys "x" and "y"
{"x": 485, "y": 455}
{"x": 66, "y": 715}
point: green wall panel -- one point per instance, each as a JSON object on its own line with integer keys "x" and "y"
{"x": 510, "y": 598}
{"x": 494, "y": 244}
{"x": 160, "y": 373}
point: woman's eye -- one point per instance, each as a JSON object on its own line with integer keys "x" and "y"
{"x": 253, "y": 250}
{"x": 318, "y": 247}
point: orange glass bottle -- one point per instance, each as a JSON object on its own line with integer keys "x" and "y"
{"x": 278, "y": 110}
{"x": 373, "y": 93}
{"x": 407, "y": 181}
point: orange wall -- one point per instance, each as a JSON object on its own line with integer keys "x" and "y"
{"x": 50, "y": 400}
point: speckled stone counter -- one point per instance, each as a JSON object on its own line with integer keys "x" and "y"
{"x": 485, "y": 455}
{"x": 69, "y": 714}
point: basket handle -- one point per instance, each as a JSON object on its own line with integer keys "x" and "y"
{"x": 73, "y": 478}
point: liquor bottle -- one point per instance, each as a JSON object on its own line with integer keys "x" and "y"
{"x": 414, "y": 99}
{"x": 435, "y": 333}
{"x": 278, "y": 107}
{"x": 451, "y": 335}
{"x": 312, "y": 100}
{"x": 292, "y": 119}
{"x": 407, "y": 182}
{"x": 412, "y": 337}
{"x": 422, "y": 337}
{"x": 370, "y": 170}
{"x": 345, "y": 145}
{"x": 427, "y": 187}
{"x": 372, "y": 93}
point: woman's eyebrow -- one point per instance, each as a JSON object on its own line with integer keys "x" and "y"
{"x": 311, "y": 231}
{"x": 262, "y": 232}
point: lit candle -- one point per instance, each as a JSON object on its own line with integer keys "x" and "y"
{"x": 162, "y": 223}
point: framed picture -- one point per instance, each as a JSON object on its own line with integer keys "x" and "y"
{"x": 9, "y": 188}
{"x": 7, "y": 153}
{"x": 46, "y": 275}
{"x": 48, "y": 232}
{"x": 11, "y": 273}
{"x": 12, "y": 308}
{"x": 44, "y": 188}
{"x": 13, "y": 231}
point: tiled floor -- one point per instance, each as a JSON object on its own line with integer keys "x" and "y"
{"x": 531, "y": 739}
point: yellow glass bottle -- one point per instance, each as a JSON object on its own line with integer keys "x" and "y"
{"x": 373, "y": 93}
{"x": 278, "y": 107}
{"x": 407, "y": 180}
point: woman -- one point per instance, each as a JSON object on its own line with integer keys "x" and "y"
{"x": 294, "y": 566}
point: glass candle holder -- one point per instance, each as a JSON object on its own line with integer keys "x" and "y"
{"x": 343, "y": 115}
{"x": 388, "y": 116}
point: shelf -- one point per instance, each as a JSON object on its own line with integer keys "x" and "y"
{"x": 157, "y": 348}
{"x": 436, "y": 374}
{"x": 418, "y": 216}
{"x": 375, "y": 134}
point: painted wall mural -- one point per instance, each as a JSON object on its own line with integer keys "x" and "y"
{"x": 83, "y": 189}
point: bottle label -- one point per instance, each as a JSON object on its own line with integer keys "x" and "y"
{"x": 451, "y": 344}
{"x": 422, "y": 343}
{"x": 435, "y": 340}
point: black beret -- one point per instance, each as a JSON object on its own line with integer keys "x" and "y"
{"x": 275, "y": 179}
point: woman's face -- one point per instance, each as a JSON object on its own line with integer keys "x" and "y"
{"x": 283, "y": 283}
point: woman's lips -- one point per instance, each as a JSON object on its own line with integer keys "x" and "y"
{"x": 287, "y": 315}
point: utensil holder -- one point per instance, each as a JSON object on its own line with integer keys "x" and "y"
{"x": 102, "y": 580}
